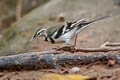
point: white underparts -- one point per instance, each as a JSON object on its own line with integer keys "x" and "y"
{"x": 68, "y": 36}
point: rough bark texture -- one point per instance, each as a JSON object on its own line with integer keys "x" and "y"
{"x": 48, "y": 60}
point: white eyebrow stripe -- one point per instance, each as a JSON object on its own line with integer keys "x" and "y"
{"x": 38, "y": 31}
{"x": 41, "y": 30}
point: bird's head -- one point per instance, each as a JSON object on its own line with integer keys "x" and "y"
{"x": 39, "y": 33}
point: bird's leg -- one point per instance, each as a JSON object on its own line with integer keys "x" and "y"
{"x": 75, "y": 41}
{"x": 68, "y": 47}
{"x": 72, "y": 48}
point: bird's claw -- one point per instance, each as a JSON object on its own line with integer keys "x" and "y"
{"x": 66, "y": 48}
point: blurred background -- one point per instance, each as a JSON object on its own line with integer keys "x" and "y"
{"x": 19, "y": 19}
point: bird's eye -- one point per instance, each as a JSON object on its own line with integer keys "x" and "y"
{"x": 38, "y": 33}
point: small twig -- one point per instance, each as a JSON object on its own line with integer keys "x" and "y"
{"x": 104, "y": 49}
{"x": 97, "y": 49}
{"x": 104, "y": 44}
{"x": 113, "y": 44}
{"x": 108, "y": 44}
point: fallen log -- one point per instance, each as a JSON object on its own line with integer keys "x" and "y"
{"x": 51, "y": 59}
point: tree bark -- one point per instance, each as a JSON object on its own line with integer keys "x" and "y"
{"x": 52, "y": 59}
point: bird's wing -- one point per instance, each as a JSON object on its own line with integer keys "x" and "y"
{"x": 71, "y": 25}
{"x": 60, "y": 29}
{"x": 55, "y": 28}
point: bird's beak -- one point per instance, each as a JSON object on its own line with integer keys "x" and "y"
{"x": 31, "y": 39}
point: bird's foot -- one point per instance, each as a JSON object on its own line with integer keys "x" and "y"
{"x": 66, "y": 48}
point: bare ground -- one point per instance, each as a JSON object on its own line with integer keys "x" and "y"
{"x": 102, "y": 72}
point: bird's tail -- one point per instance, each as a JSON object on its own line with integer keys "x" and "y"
{"x": 99, "y": 18}
{"x": 84, "y": 24}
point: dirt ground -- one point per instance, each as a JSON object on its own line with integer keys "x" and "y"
{"x": 101, "y": 72}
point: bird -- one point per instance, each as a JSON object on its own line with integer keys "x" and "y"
{"x": 65, "y": 31}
